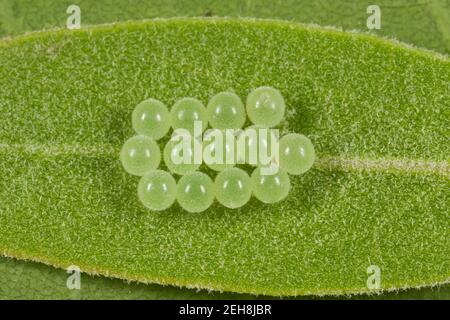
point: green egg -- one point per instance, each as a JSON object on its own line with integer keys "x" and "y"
{"x": 226, "y": 111}
{"x": 179, "y": 157}
{"x": 195, "y": 192}
{"x": 151, "y": 118}
{"x": 297, "y": 153}
{"x": 157, "y": 190}
{"x": 139, "y": 155}
{"x": 265, "y": 106}
{"x": 218, "y": 146}
{"x": 233, "y": 188}
{"x": 254, "y": 145}
{"x": 187, "y": 110}
{"x": 270, "y": 188}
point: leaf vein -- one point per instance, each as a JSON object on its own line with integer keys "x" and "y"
{"x": 325, "y": 162}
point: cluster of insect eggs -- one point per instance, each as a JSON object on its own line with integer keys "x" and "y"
{"x": 195, "y": 191}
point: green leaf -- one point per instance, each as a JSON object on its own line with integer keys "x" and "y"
{"x": 375, "y": 111}
{"x": 28, "y": 280}
{"x": 425, "y": 23}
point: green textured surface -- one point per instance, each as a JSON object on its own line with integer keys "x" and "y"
{"x": 427, "y": 28}
{"x": 27, "y": 280}
{"x": 62, "y": 173}
{"x": 425, "y": 23}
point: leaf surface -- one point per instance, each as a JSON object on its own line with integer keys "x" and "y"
{"x": 29, "y": 280}
{"x": 419, "y": 22}
{"x": 375, "y": 110}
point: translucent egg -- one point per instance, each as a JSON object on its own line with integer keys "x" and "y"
{"x": 233, "y": 188}
{"x": 226, "y": 111}
{"x": 139, "y": 155}
{"x": 254, "y": 146}
{"x": 219, "y": 149}
{"x": 157, "y": 190}
{"x": 151, "y": 118}
{"x": 265, "y": 106}
{"x": 270, "y": 188}
{"x": 195, "y": 192}
{"x": 297, "y": 153}
{"x": 179, "y": 156}
{"x": 185, "y": 112}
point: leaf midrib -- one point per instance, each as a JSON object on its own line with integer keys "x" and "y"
{"x": 323, "y": 162}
